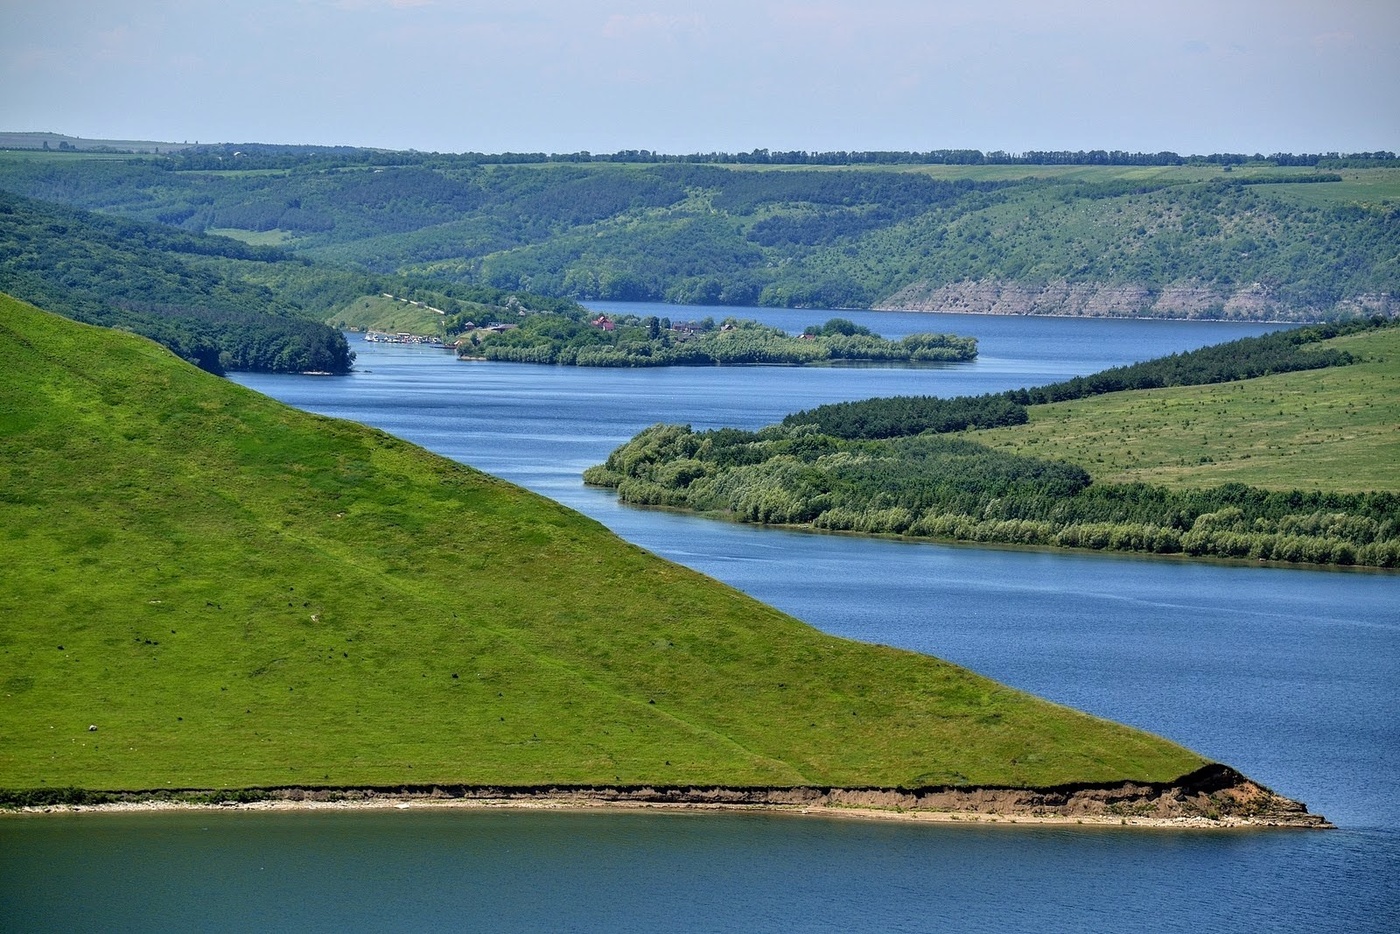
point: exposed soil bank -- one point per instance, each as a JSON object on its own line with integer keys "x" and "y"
{"x": 1213, "y": 796}
{"x": 1253, "y": 302}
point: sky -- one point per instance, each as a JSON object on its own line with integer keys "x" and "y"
{"x": 1191, "y": 76}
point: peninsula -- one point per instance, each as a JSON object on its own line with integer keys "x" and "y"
{"x": 634, "y": 341}
{"x": 1273, "y": 448}
{"x": 210, "y": 596}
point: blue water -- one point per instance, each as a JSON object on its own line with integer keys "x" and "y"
{"x": 627, "y": 872}
{"x": 1293, "y": 676}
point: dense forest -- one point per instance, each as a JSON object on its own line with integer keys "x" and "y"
{"x": 181, "y": 289}
{"x": 217, "y": 302}
{"x": 890, "y": 466}
{"x": 631, "y": 341}
{"x": 1302, "y": 237}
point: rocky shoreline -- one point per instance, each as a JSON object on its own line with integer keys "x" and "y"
{"x": 1062, "y": 298}
{"x": 1215, "y": 796}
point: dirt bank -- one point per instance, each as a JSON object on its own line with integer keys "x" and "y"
{"x": 1214, "y": 796}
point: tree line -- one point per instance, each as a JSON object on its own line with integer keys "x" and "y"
{"x": 1248, "y": 357}
{"x": 264, "y": 156}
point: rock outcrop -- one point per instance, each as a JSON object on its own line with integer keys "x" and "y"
{"x": 1254, "y": 302}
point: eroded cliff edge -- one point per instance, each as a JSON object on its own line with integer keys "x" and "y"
{"x": 1213, "y": 796}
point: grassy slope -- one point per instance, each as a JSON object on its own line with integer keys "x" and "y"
{"x": 240, "y": 594}
{"x": 375, "y": 312}
{"x": 1335, "y": 429}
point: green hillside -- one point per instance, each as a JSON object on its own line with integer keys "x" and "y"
{"x": 377, "y": 313}
{"x": 1257, "y": 239}
{"x": 1335, "y": 429}
{"x": 204, "y": 588}
{"x": 199, "y": 296}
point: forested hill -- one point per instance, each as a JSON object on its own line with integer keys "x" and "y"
{"x": 1230, "y": 238}
{"x": 218, "y": 302}
{"x": 197, "y": 295}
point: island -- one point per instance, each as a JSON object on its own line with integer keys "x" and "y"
{"x": 624, "y": 340}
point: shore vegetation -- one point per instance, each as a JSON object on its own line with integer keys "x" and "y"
{"x": 583, "y": 339}
{"x": 1157, "y": 458}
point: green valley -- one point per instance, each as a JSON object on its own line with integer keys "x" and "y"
{"x": 221, "y": 303}
{"x": 1263, "y": 238}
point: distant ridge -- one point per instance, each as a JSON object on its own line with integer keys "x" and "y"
{"x": 10, "y": 139}
{"x": 1282, "y": 238}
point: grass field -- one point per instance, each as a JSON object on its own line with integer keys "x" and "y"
{"x": 234, "y": 593}
{"x": 386, "y": 314}
{"x": 255, "y": 237}
{"x": 55, "y": 155}
{"x": 1334, "y": 429}
{"x": 1367, "y": 187}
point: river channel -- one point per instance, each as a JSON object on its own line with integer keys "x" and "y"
{"x": 1290, "y": 675}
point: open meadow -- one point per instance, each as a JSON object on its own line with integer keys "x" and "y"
{"x": 1335, "y": 429}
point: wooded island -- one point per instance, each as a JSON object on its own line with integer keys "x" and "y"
{"x": 632, "y": 341}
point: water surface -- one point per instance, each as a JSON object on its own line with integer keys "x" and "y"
{"x": 1293, "y": 676}
{"x": 627, "y": 872}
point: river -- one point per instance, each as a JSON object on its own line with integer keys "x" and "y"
{"x": 1292, "y": 676}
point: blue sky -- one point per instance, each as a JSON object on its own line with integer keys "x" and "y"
{"x": 556, "y": 76}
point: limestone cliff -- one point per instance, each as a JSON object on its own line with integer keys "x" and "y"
{"x": 1253, "y": 302}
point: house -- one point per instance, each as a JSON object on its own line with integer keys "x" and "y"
{"x": 604, "y": 322}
